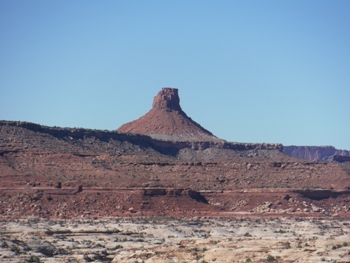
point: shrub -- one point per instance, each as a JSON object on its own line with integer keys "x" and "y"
{"x": 287, "y": 244}
{"x": 15, "y": 249}
{"x": 117, "y": 247}
{"x": 270, "y": 258}
{"x": 33, "y": 259}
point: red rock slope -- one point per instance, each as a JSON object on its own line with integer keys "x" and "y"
{"x": 167, "y": 121}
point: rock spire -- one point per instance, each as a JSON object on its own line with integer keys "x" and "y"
{"x": 167, "y": 99}
{"x": 167, "y": 121}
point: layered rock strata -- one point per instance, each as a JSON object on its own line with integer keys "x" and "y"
{"x": 314, "y": 153}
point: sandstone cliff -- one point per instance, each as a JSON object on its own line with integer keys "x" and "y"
{"x": 314, "y": 153}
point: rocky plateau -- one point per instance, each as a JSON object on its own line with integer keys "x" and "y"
{"x": 165, "y": 166}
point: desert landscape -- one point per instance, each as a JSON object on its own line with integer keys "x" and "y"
{"x": 173, "y": 240}
{"x": 164, "y": 189}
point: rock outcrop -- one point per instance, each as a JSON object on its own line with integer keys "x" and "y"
{"x": 167, "y": 121}
{"x": 20, "y": 136}
{"x": 340, "y": 158}
{"x": 167, "y": 99}
{"x": 61, "y": 173}
{"x": 314, "y": 153}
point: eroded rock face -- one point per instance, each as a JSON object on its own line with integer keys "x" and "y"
{"x": 167, "y": 99}
{"x": 314, "y": 153}
{"x": 341, "y": 158}
{"x": 176, "y": 192}
{"x": 167, "y": 121}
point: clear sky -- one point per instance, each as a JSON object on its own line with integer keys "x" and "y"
{"x": 249, "y": 71}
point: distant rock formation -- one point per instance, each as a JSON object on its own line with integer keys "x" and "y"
{"x": 341, "y": 158}
{"x": 167, "y": 121}
{"x": 167, "y": 99}
{"x": 314, "y": 153}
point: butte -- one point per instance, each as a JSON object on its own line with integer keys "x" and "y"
{"x": 167, "y": 121}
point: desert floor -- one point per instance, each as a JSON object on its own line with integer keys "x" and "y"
{"x": 174, "y": 240}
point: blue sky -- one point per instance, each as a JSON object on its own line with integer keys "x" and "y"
{"x": 248, "y": 71}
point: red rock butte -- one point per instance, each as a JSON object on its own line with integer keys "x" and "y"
{"x": 167, "y": 121}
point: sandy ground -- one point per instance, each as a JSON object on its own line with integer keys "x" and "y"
{"x": 172, "y": 240}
